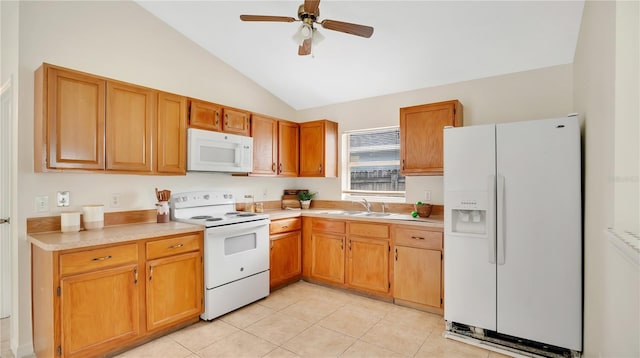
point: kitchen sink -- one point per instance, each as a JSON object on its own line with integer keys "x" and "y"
{"x": 376, "y": 214}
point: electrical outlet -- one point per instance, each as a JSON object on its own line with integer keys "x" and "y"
{"x": 115, "y": 200}
{"x": 63, "y": 198}
{"x": 265, "y": 192}
{"x": 42, "y": 204}
{"x": 427, "y": 195}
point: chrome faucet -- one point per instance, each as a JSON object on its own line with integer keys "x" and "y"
{"x": 364, "y": 203}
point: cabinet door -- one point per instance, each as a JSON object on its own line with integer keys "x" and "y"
{"x": 418, "y": 275}
{"x": 288, "y": 144}
{"x": 99, "y": 310}
{"x": 264, "y": 131}
{"x": 74, "y": 119}
{"x": 327, "y": 257}
{"x": 368, "y": 265}
{"x": 285, "y": 258}
{"x": 129, "y": 126}
{"x": 319, "y": 149}
{"x": 205, "y": 115}
{"x": 174, "y": 289}
{"x": 236, "y": 121}
{"x": 171, "y": 144}
{"x": 421, "y": 136}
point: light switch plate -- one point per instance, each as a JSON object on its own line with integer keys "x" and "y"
{"x": 42, "y": 204}
{"x": 63, "y": 198}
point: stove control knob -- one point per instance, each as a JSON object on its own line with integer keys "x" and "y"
{"x": 177, "y": 199}
{"x": 226, "y": 196}
{"x": 230, "y": 196}
{"x": 206, "y": 196}
{"x": 184, "y": 198}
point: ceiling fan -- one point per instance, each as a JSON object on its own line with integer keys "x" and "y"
{"x": 308, "y": 14}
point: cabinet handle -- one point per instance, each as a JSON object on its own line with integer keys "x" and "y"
{"x": 101, "y": 258}
{"x": 217, "y": 118}
{"x": 417, "y": 238}
{"x": 396, "y": 250}
{"x": 135, "y": 275}
{"x": 177, "y": 246}
{"x": 320, "y": 169}
{"x": 271, "y": 245}
{"x": 280, "y": 168}
{"x": 150, "y": 272}
{"x": 341, "y": 245}
{"x": 285, "y": 227}
{"x": 226, "y": 119}
{"x": 349, "y": 245}
{"x": 273, "y": 167}
{"x": 402, "y": 164}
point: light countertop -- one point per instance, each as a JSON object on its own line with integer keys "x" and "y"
{"x": 55, "y": 241}
{"x": 399, "y": 219}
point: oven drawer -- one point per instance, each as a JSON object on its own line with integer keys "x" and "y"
{"x": 90, "y": 260}
{"x": 173, "y": 246}
{"x": 284, "y": 225}
{"x": 423, "y": 239}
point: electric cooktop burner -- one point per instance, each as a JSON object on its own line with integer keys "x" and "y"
{"x": 199, "y": 217}
{"x": 232, "y": 213}
{"x": 246, "y": 214}
{"x": 213, "y": 219}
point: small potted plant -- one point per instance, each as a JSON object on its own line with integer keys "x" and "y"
{"x": 305, "y": 198}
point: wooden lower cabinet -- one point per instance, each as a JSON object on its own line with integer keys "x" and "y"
{"x": 99, "y": 310}
{"x": 327, "y": 256}
{"x": 94, "y": 301}
{"x": 368, "y": 264}
{"x": 285, "y": 258}
{"x": 417, "y": 273}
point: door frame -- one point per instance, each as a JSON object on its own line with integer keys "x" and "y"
{"x": 7, "y": 183}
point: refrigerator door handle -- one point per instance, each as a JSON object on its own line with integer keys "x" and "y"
{"x": 500, "y": 220}
{"x": 491, "y": 237}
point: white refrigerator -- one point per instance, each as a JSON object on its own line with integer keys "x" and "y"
{"x": 513, "y": 237}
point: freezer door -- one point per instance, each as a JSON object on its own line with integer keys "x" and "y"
{"x": 469, "y": 258}
{"x": 539, "y": 231}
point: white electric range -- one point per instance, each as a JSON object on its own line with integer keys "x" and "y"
{"x": 236, "y": 249}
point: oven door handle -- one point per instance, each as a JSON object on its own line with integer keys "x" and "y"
{"x": 238, "y": 227}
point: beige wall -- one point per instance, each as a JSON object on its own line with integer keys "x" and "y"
{"x": 536, "y": 94}
{"x": 612, "y": 311}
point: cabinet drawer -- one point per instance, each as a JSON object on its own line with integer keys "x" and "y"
{"x": 405, "y": 236}
{"x": 369, "y": 230}
{"x": 328, "y": 225}
{"x": 172, "y": 246}
{"x": 284, "y": 225}
{"x": 90, "y": 260}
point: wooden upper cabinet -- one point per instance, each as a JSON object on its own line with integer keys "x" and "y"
{"x": 275, "y": 146}
{"x": 205, "y": 115}
{"x": 130, "y": 120}
{"x": 264, "y": 131}
{"x": 236, "y": 121}
{"x": 319, "y": 149}
{"x": 421, "y": 136}
{"x": 288, "y": 148}
{"x": 69, "y": 120}
{"x": 171, "y": 143}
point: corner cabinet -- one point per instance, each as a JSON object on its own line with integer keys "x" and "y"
{"x": 417, "y": 273}
{"x": 275, "y": 146}
{"x": 98, "y": 300}
{"x": 89, "y": 123}
{"x": 421, "y": 136}
{"x": 285, "y": 259}
{"x": 319, "y": 149}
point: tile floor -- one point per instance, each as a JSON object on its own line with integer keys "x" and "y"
{"x": 307, "y": 320}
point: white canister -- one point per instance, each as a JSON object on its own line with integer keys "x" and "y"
{"x": 93, "y": 217}
{"x": 70, "y": 221}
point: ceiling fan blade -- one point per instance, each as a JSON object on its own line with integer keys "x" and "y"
{"x": 347, "y": 27}
{"x": 266, "y": 18}
{"x": 305, "y": 48}
{"x": 311, "y": 6}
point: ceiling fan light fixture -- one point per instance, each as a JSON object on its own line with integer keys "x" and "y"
{"x": 317, "y": 37}
{"x": 305, "y": 31}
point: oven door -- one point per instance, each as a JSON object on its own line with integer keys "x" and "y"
{"x": 235, "y": 251}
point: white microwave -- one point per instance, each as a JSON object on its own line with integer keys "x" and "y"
{"x": 210, "y": 151}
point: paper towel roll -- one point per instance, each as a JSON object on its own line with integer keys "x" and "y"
{"x": 70, "y": 221}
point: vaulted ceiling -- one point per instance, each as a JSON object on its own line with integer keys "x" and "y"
{"x": 415, "y": 44}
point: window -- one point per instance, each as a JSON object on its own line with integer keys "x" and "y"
{"x": 373, "y": 164}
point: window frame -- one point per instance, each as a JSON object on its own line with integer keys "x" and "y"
{"x": 373, "y": 196}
